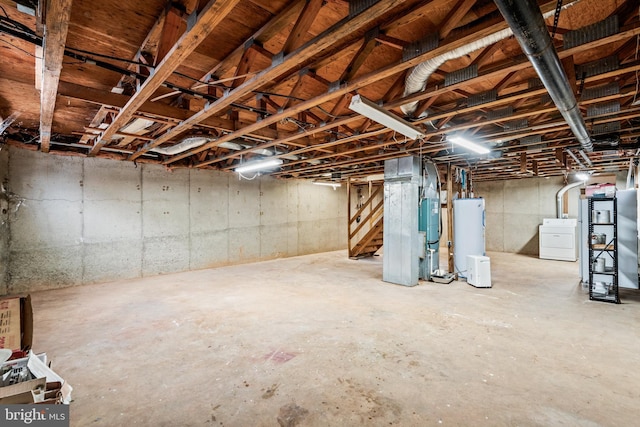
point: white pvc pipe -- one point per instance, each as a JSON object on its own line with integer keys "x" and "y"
{"x": 560, "y": 193}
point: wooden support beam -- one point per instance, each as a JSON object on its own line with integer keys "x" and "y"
{"x": 148, "y": 45}
{"x": 339, "y": 107}
{"x": 296, "y": 88}
{"x": 523, "y": 162}
{"x": 302, "y": 25}
{"x": 505, "y": 81}
{"x": 329, "y": 38}
{"x": 450, "y": 264}
{"x": 452, "y": 19}
{"x": 172, "y": 29}
{"x": 55, "y": 38}
{"x": 349, "y": 245}
{"x": 395, "y": 89}
{"x": 318, "y": 78}
{"x": 264, "y": 34}
{"x": 570, "y": 68}
{"x": 559, "y": 153}
{"x": 361, "y": 55}
{"x": 462, "y": 39}
{"x": 391, "y": 41}
{"x": 424, "y": 105}
{"x": 211, "y": 16}
{"x": 486, "y": 53}
{"x": 244, "y": 65}
{"x": 514, "y": 67}
{"x": 534, "y": 165}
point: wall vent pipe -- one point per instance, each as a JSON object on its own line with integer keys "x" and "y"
{"x": 529, "y": 28}
{"x": 559, "y": 198}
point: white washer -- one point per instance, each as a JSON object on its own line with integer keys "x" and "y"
{"x": 558, "y": 239}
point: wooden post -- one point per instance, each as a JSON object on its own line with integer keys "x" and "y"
{"x": 349, "y": 216}
{"x": 451, "y": 268}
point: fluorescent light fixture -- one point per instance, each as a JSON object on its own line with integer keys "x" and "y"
{"x": 258, "y": 165}
{"x": 328, "y": 184}
{"x": 582, "y": 176}
{"x": 378, "y": 114}
{"x": 462, "y": 142}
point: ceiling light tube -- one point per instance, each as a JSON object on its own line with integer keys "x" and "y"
{"x": 462, "y": 142}
{"x": 582, "y": 176}
{"x": 378, "y": 114}
{"x": 328, "y": 184}
{"x": 258, "y": 165}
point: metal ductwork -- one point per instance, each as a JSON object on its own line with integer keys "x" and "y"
{"x": 528, "y": 26}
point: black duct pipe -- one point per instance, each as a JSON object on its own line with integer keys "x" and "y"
{"x": 528, "y": 26}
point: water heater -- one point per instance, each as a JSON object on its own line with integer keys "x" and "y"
{"x": 468, "y": 232}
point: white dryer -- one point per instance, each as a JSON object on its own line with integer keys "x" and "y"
{"x": 558, "y": 239}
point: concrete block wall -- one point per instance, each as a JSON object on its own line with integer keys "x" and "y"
{"x": 515, "y": 209}
{"x": 77, "y": 220}
{"x": 4, "y": 218}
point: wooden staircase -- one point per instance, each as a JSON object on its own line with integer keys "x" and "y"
{"x": 366, "y": 226}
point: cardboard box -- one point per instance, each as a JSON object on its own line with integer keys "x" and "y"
{"x": 22, "y": 392}
{"x": 16, "y": 323}
{"x": 44, "y": 385}
{"x": 608, "y": 190}
{"x": 602, "y": 179}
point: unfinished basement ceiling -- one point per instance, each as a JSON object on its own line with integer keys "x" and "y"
{"x": 212, "y": 84}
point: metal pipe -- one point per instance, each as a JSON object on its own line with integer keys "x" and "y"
{"x": 586, "y": 158}
{"x": 575, "y": 159}
{"x": 526, "y": 21}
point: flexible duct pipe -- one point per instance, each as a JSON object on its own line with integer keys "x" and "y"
{"x": 196, "y": 141}
{"x": 416, "y": 81}
{"x": 529, "y": 28}
{"x": 186, "y": 144}
{"x": 560, "y": 193}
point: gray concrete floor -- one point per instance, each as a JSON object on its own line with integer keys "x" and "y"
{"x": 320, "y": 340}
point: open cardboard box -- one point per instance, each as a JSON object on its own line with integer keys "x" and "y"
{"x": 16, "y": 323}
{"x": 16, "y": 334}
{"x": 43, "y": 385}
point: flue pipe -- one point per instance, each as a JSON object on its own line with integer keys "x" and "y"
{"x": 528, "y": 26}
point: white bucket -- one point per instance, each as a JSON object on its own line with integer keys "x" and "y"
{"x": 600, "y": 216}
{"x": 599, "y": 265}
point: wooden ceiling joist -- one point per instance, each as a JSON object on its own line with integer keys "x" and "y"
{"x": 320, "y": 43}
{"x": 361, "y": 55}
{"x": 171, "y": 31}
{"x": 452, "y": 20}
{"x": 264, "y": 34}
{"x": 210, "y": 17}
{"x": 467, "y": 37}
{"x": 281, "y": 74}
{"x": 302, "y": 25}
{"x": 55, "y": 36}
